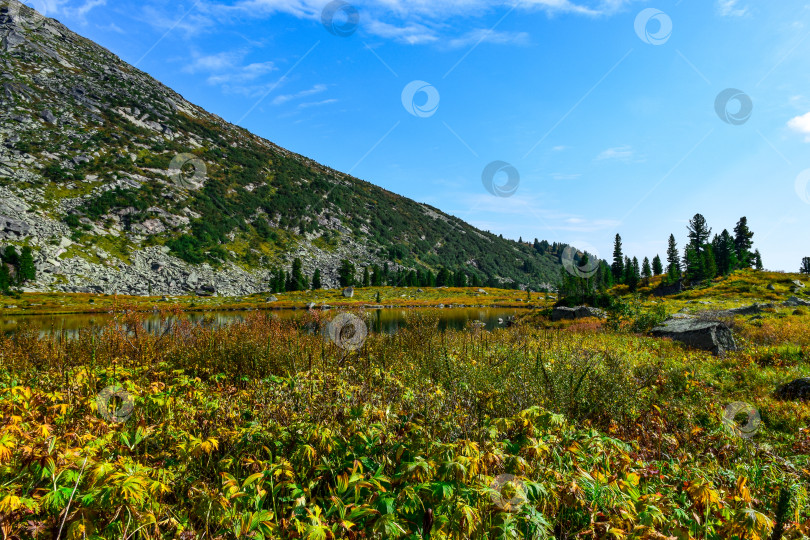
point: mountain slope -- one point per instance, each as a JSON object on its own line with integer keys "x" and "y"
{"x": 121, "y": 185}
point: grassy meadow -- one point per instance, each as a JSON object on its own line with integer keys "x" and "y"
{"x": 266, "y": 429}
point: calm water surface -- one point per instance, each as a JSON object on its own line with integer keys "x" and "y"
{"x": 381, "y": 320}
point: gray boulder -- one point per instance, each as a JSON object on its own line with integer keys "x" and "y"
{"x": 796, "y": 302}
{"x": 563, "y": 313}
{"x": 711, "y": 336}
{"x": 795, "y": 390}
{"x": 579, "y": 312}
{"x": 771, "y": 287}
{"x": 348, "y": 292}
{"x": 753, "y": 309}
{"x": 271, "y": 299}
{"x": 798, "y": 284}
{"x": 48, "y": 116}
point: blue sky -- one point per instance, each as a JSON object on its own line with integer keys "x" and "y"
{"x": 608, "y": 117}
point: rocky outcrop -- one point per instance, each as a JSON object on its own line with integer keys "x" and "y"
{"x": 580, "y": 312}
{"x": 794, "y": 301}
{"x": 753, "y": 309}
{"x": 798, "y": 389}
{"x": 711, "y": 336}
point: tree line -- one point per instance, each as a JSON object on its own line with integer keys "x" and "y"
{"x": 704, "y": 257}
{"x": 16, "y": 268}
{"x": 374, "y": 276}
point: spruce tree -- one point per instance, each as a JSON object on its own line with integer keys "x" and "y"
{"x": 699, "y": 233}
{"x": 366, "y": 277}
{"x": 657, "y": 267}
{"x": 646, "y": 269}
{"x": 11, "y": 256}
{"x": 743, "y": 241}
{"x": 298, "y": 282}
{"x": 347, "y": 273}
{"x": 673, "y": 260}
{"x": 693, "y": 263}
{"x": 5, "y": 277}
{"x": 709, "y": 263}
{"x": 28, "y": 271}
{"x": 618, "y": 260}
{"x": 805, "y": 267}
{"x": 316, "y": 279}
{"x": 757, "y": 260}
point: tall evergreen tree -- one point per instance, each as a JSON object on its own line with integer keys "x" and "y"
{"x": 725, "y": 253}
{"x": 347, "y": 273}
{"x": 657, "y": 266}
{"x": 805, "y": 267}
{"x": 5, "y": 277}
{"x": 27, "y": 271}
{"x": 316, "y": 279}
{"x": 693, "y": 263}
{"x": 646, "y": 269}
{"x": 366, "y": 277}
{"x": 743, "y": 242}
{"x": 673, "y": 259}
{"x": 443, "y": 279}
{"x": 298, "y": 281}
{"x": 11, "y": 256}
{"x": 757, "y": 260}
{"x": 618, "y": 260}
{"x": 699, "y": 233}
{"x": 709, "y": 263}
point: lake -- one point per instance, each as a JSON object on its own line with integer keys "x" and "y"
{"x": 387, "y": 320}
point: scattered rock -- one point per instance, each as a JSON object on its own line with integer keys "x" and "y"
{"x": 798, "y": 283}
{"x": 419, "y": 290}
{"x": 348, "y": 292}
{"x": 48, "y": 116}
{"x": 311, "y": 305}
{"x": 711, "y": 336}
{"x": 482, "y": 291}
{"x": 753, "y": 309}
{"x": 798, "y": 389}
{"x": 271, "y": 299}
{"x": 771, "y": 287}
{"x": 579, "y": 312}
{"x": 796, "y": 302}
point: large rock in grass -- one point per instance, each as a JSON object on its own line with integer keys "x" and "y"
{"x": 348, "y": 292}
{"x": 711, "y": 336}
{"x": 579, "y": 312}
{"x": 796, "y": 302}
{"x": 753, "y": 309}
{"x": 795, "y": 390}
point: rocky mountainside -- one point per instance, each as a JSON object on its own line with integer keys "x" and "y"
{"x": 121, "y": 185}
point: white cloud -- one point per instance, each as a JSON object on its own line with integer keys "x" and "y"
{"x": 316, "y": 103}
{"x": 622, "y": 153}
{"x": 801, "y": 124}
{"x": 317, "y": 89}
{"x": 490, "y": 36}
{"x": 728, "y": 8}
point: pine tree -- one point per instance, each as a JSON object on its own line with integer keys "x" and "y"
{"x": 693, "y": 262}
{"x": 805, "y": 268}
{"x": 443, "y": 278}
{"x": 757, "y": 260}
{"x": 632, "y": 274}
{"x": 709, "y": 263}
{"x": 298, "y": 282}
{"x": 673, "y": 260}
{"x": 376, "y": 276}
{"x": 316, "y": 279}
{"x": 646, "y": 269}
{"x": 657, "y": 267}
{"x": 366, "y": 277}
{"x": 347, "y": 273}
{"x": 743, "y": 243}
{"x": 28, "y": 271}
{"x": 618, "y": 260}
{"x": 5, "y": 277}
{"x": 11, "y": 256}
{"x": 699, "y": 233}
